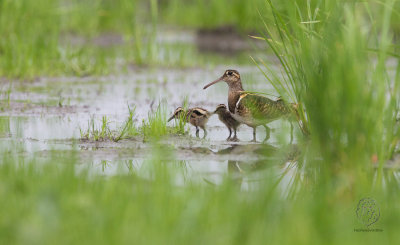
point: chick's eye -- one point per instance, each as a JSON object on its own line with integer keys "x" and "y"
{"x": 229, "y": 73}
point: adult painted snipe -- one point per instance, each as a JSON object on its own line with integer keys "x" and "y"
{"x": 225, "y": 117}
{"x": 253, "y": 109}
{"x": 197, "y": 116}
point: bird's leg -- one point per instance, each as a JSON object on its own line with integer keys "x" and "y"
{"x": 267, "y": 132}
{"x": 197, "y": 132}
{"x": 234, "y": 136}
{"x": 254, "y": 135}
{"x": 291, "y": 132}
{"x": 205, "y": 132}
{"x": 230, "y": 133}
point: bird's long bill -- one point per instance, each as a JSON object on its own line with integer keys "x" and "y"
{"x": 212, "y": 83}
{"x": 172, "y": 117}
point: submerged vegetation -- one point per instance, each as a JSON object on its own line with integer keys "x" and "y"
{"x": 337, "y": 60}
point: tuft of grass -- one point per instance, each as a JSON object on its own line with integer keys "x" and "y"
{"x": 129, "y": 128}
{"x": 155, "y": 126}
{"x": 97, "y": 133}
{"x": 181, "y": 122}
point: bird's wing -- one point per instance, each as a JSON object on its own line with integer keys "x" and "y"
{"x": 259, "y": 107}
{"x": 200, "y": 112}
{"x": 195, "y": 113}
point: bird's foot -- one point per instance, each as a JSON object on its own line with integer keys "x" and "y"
{"x": 254, "y": 141}
{"x": 234, "y": 139}
{"x": 265, "y": 140}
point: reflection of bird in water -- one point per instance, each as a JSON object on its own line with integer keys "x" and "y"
{"x": 197, "y": 116}
{"x": 234, "y": 173}
{"x": 225, "y": 117}
{"x": 237, "y": 170}
{"x": 265, "y": 149}
{"x": 268, "y": 155}
{"x": 253, "y": 109}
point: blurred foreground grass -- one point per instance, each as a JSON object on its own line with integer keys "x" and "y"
{"x": 51, "y": 202}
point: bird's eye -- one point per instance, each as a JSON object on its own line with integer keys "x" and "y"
{"x": 229, "y": 73}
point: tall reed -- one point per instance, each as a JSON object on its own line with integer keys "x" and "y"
{"x": 334, "y": 65}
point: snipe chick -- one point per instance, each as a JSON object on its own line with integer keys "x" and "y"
{"x": 197, "y": 116}
{"x": 226, "y": 118}
{"x": 253, "y": 109}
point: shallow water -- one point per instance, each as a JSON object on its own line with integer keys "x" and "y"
{"x": 42, "y": 119}
{"x": 46, "y": 115}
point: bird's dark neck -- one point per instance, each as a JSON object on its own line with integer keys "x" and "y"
{"x": 234, "y": 95}
{"x": 237, "y": 86}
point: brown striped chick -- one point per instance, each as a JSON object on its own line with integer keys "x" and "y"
{"x": 196, "y": 116}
